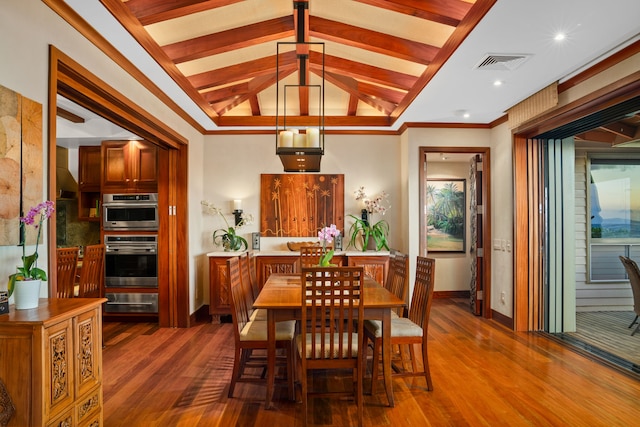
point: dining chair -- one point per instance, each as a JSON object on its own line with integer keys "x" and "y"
{"x": 332, "y": 302}
{"x": 633, "y": 272}
{"x": 251, "y": 290}
{"x": 92, "y": 273}
{"x": 398, "y": 280}
{"x": 310, "y": 255}
{"x": 253, "y": 276}
{"x": 252, "y": 335}
{"x": 67, "y": 264}
{"x": 407, "y": 331}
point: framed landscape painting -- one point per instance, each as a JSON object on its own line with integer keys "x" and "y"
{"x": 446, "y": 207}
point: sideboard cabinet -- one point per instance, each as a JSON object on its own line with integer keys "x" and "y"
{"x": 375, "y": 266}
{"x": 52, "y": 362}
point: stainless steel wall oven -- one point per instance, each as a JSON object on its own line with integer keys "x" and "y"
{"x": 131, "y": 273}
{"x": 130, "y": 212}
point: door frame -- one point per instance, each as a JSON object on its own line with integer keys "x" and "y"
{"x": 486, "y": 223}
{"x": 528, "y": 193}
{"x": 69, "y": 79}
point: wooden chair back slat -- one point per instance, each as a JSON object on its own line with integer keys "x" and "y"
{"x": 67, "y": 264}
{"x": 420, "y": 307}
{"x": 398, "y": 279}
{"x": 92, "y": 273}
{"x": 310, "y": 255}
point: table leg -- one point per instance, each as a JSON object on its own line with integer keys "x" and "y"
{"x": 386, "y": 354}
{"x": 271, "y": 357}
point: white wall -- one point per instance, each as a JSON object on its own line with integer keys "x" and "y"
{"x": 232, "y": 165}
{"x": 502, "y": 227}
{"x": 446, "y": 265}
{"x": 27, "y": 28}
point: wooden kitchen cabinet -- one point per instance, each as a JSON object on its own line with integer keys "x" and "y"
{"x": 89, "y": 161}
{"x": 129, "y": 167}
{"x": 89, "y": 167}
{"x": 268, "y": 265}
{"x": 375, "y": 266}
{"x": 219, "y": 293}
{"x": 52, "y": 362}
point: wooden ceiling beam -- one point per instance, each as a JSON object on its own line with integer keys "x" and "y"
{"x": 597, "y": 136}
{"x": 373, "y": 41}
{"x": 299, "y": 121}
{"x": 349, "y": 85}
{"x": 245, "y": 70}
{"x": 153, "y": 11}
{"x": 226, "y": 41}
{"x": 73, "y": 118}
{"x": 255, "y": 105}
{"x": 364, "y": 72}
{"x": 622, "y": 129}
{"x": 352, "y": 108}
{"x": 447, "y": 12}
{"x": 227, "y": 98}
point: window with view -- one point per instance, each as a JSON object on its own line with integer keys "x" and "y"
{"x": 614, "y": 204}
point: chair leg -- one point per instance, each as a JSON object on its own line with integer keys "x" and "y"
{"x": 359, "y": 394}
{"x": 634, "y": 321}
{"x": 377, "y": 343}
{"x": 236, "y": 371}
{"x": 425, "y": 364}
{"x": 291, "y": 370}
{"x": 303, "y": 383}
{"x": 635, "y": 330}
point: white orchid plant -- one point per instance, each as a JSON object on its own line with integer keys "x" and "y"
{"x": 228, "y": 237}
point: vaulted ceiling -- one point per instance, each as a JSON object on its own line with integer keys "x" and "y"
{"x": 387, "y": 62}
{"x": 379, "y": 54}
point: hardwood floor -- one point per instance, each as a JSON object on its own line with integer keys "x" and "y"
{"x": 483, "y": 375}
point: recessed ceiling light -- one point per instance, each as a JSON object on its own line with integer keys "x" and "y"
{"x": 466, "y": 115}
{"x": 559, "y": 37}
{"x": 497, "y": 83}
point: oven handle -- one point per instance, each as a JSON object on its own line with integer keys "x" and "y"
{"x": 130, "y": 250}
{"x": 128, "y": 205}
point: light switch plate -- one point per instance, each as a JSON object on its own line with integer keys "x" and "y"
{"x": 4, "y": 302}
{"x": 255, "y": 240}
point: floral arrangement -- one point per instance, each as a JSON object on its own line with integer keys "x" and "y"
{"x": 362, "y": 226}
{"x": 326, "y": 235}
{"x": 377, "y": 204}
{"x": 29, "y": 270}
{"x": 228, "y": 237}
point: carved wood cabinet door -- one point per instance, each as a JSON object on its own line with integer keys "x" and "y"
{"x": 87, "y": 353}
{"x": 58, "y": 368}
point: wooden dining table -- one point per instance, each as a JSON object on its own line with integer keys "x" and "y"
{"x": 281, "y": 297}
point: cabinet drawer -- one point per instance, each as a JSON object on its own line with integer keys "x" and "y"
{"x": 66, "y": 419}
{"x": 88, "y": 406}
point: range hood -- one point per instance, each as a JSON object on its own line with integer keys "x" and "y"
{"x": 66, "y": 185}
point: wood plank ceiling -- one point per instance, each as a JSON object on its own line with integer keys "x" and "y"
{"x": 379, "y": 54}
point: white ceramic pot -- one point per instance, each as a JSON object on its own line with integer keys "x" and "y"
{"x": 26, "y": 294}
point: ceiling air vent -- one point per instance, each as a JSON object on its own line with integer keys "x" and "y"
{"x": 500, "y": 62}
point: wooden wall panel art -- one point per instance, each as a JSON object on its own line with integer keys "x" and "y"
{"x": 300, "y": 205}
{"x": 21, "y": 165}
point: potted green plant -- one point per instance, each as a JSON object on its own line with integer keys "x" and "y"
{"x": 228, "y": 237}
{"x": 26, "y": 281}
{"x": 377, "y": 232}
{"x": 374, "y": 235}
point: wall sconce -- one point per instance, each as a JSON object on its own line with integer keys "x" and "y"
{"x": 237, "y": 210}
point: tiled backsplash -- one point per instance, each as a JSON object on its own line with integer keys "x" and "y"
{"x": 70, "y": 231}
